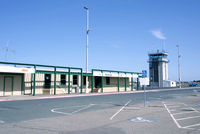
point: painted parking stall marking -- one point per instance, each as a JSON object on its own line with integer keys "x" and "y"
{"x": 184, "y": 116}
{"x": 143, "y": 119}
{"x": 1, "y": 122}
{"x": 80, "y": 108}
{"x": 120, "y": 110}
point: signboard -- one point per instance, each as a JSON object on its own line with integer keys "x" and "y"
{"x": 8, "y": 69}
{"x": 144, "y": 81}
{"x": 135, "y": 76}
{"x": 106, "y": 74}
{"x": 114, "y": 74}
{"x": 144, "y": 73}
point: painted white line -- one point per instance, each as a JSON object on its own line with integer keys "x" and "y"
{"x": 175, "y": 121}
{"x": 56, "y": 110}
{"x": 194, "y": 109}
{"x": 173, "y": 106}
{"x": 192, "y": 126}
{"x": 83, "y": 108}
{"x": 120, "y": 110}
{"x": 155, "y": 98}
{"x": 188, "y": 118}
{"x": 4, "y": 108}
{"x": 176, "y": 105}
{"x": 1, "y": 122}
{"x": 185, "y": 112}
{"x": 172, "y": 110}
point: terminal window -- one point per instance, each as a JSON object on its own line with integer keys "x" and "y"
{"x": 75, "y": 79}
{"x": 63, "y": 79}
{"x": 107, "y": 80}
{"x": 47, "y": 81}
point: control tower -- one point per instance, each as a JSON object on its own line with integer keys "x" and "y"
{"x": 158, "y": 68}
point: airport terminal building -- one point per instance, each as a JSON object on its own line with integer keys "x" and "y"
{"x": 34, "y": 79}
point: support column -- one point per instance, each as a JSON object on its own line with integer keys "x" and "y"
{"x": 31, "y": 83}
{"x": 54, "y": 80}
{"x": 138, "y": 83}
{"x": 34, "y": 81}
{"x": 118, "y": 82}
{"x": 69, "y": 73}
{"x": 81, "y": 81}
{"x": 102, "y": 81}
{"x": 131, "y": 83}
{"x": 125, "y": 82}
{"x": 92, "y": 82}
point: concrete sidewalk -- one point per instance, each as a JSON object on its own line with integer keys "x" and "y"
{"x": 37, "y": 97}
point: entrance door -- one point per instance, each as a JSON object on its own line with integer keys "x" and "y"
{"x": 8, "y": 85}
{"x": 97, "y": 82}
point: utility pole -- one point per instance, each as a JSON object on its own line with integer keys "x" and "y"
{"x": 87, "y": 32}
{"x": 179, "y": 70}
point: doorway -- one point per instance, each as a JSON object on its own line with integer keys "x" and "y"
{"x": 8, "y": 85}
{"x": 98, "y": 81}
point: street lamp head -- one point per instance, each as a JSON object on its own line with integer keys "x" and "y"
{"x": 85, "y": 8}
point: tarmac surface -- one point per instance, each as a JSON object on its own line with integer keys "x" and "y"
{"x": 166, "y": 111}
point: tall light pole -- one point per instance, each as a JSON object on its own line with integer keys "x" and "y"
{"x": 179, "y": 70}
{"x": 87, "y": 32}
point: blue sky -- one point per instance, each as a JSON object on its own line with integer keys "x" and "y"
{"x": 53, "y": 32}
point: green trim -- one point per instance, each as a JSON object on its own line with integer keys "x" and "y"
{"x": 34, "y": 82}
{"x": 57, "y": 72}
{"x": 31, "y": 83}
{"x": 54, "y": 80}
{"x": 125, "y": 84}
{"x": 102, "y": 82}
{"x": 92, "y": 82}
{"x": 131, "y": 84}
{"x": 118, "y": 83}
{"x": 81, "y": 81}
{"x": 75, "y": 73}
{"x": 116, "y": 71}
{"x": 38, "y": 65}
{"x": 69, "y": 81}
{"x": 87, "y": 74}
{"x": 44, "y": 72}
{"x": 138, "y": 83}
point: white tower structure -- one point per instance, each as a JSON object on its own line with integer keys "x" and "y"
{"x": 158, "y": 68}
